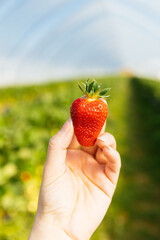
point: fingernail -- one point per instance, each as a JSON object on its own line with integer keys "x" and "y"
{"x": 102, "y": 138}
{"x": 66, "y": 127}
{"x": 107, "y": 147}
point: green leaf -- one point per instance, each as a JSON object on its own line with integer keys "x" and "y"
{"x": 95, "y": 86}
{"x": 104, "y": 91}
{"x": 84, "y": 85}
{"x": 81, "y": 88}
{"x": 90, "y": 86}
{"x": 87, "y": 85}
{"x": 107, "y": 96}
{"x": 91, "y": 92}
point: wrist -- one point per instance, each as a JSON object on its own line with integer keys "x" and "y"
{"x": 55, "y": 234}
{"x": 46, "y": 229}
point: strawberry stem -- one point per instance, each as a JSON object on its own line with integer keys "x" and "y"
{"x": 92, "y": 90}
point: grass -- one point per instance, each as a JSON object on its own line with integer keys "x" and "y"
{"x": 29, "y": 116}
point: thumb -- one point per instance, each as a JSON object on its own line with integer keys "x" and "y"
{"x": 56, "y": 155}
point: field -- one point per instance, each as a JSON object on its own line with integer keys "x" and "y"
{"x": 29, "y": 116}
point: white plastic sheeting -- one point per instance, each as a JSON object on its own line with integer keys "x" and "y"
{"x": 42, "y": 40}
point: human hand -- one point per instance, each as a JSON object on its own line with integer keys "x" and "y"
{"x": 77, "y": 186}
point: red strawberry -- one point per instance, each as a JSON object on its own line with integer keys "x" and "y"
{"x": 89, "y": 113}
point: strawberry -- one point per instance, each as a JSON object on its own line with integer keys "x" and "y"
{"x": 89, "y": 113}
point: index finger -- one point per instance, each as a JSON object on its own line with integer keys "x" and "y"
{"x": 106, "y": 139}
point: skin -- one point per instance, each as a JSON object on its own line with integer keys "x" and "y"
{"x": 77, "y": 186}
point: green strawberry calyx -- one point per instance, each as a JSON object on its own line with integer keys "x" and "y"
{"x": 92, "y": 90}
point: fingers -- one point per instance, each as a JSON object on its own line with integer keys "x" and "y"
{"x": 103, "y": 140}
{"x": 100, "y": 156}
{"x": 55, "y": 163}
{"x": 106, "y": 139}
{"x": 95, "y": 172}
{"x": 107, "y": 154}
{"x": 113, "y": 165}
{"x": 104, "y": 176}
{"x": 92, "y": 150}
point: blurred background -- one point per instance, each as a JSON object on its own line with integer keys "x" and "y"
{"x": 46, "y": 47}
